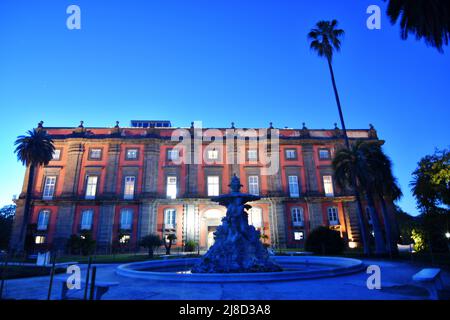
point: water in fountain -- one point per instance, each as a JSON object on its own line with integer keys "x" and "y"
{"x": 237, "y": 247}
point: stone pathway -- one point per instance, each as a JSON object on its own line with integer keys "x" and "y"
{"x": 395, "y": 282}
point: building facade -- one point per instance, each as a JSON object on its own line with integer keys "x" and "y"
{"x": 121, "y": 184}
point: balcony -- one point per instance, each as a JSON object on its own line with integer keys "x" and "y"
{"x": 169, "y": 226}
{"x": 298, "y": 223}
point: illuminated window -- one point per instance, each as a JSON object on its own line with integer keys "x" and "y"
{"x": 328, "y": 186}
{"x": 213, "y": 154}
{"x": 291, "y": 154}
{"x": 124, "y": 239}
{"x": 171, "y": 187}
{"x": 252, "y": 155}
{"x": 324, "y": 154}
{"x": 333, "y": 216}
{"x": 255, "y": 217}
{"x": 56, "y": 155}
{"x": 297, "y": 217}
{"x": 95, "y": 154}
{"x": 170, "y": 216}
{"x": 213, "y": 185}
{"x": 39, "y": 240}
{"x": 298, "y": 235}
{"x": 49, "y": 187}
{"x": 91, "y": 187}
{"x": 132, "y": 154}
{"x": 126, "y": 219}
{"x": 86, "y": 219}
{"x": 130, "y": 182}
{"x": 43, "y": 220}
{"x": 293, "y": 186}
{"x": 253, "y": 185}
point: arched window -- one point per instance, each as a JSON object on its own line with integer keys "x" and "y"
{"x": 255, "y": 217}
{"x": 333, "y": 217}
{"x": 43, "y": 220}
{"x": 126, "y": 219}
{"x": 298, "y": 219}
{"x": 170, "y": 216}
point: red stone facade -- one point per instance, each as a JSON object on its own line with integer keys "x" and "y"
{"x": 141, "y": 156}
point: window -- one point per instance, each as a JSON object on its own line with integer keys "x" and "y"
{"x": 95, "y": 154}
{"x": 328, "y": 186}
{"x": 291, "y": 154}
{"x": 86, "y": 219}
{"x": 49, "y": 187}
{"x": 173, "y": 154}
{"x": 213, "y": 154}
{"x": 297, "y": 217}
{"x": 253, "y": 185}
{"x": 126, "y": 219}
{"x": 293, "y": 186}
{"x": 213, "y": 185}
{"x": 56, "y": 155}
{"x": 124, "y": 239}
{"x": 172, "y": 187}
{"x": 128, "y": 193}
{"x": 252, "y": 155}
{"x": 43, "y": 219}
{"x": 298, "y": 235}
{"x": 91, "y": 187}
{"x": 324, "y": 154}
{"x": 132, "y": 154}
{"x": 39, "y": 240}
{"x": 333, "y": 216}
{"x": 255, "y": 217}
{"x": 170, "y": 216}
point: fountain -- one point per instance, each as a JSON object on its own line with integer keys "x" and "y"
{"x": 238, "y": 255}
{"x": 237, "y": 247}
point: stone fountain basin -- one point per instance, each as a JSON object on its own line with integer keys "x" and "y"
{"x": 295, "y": 268}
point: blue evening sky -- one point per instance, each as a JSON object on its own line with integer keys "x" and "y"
{"x": 216, "y": 61}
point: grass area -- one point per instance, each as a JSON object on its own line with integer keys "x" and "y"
{"x": 117, "y": 258}
{"x": 16, "y": 272}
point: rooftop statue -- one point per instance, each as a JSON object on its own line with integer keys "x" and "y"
{"x": 237, "y": 247}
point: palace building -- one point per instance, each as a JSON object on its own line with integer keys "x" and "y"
{"x": 123, "y": 183}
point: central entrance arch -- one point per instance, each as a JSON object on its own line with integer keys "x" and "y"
{"x": 212, "y": 218}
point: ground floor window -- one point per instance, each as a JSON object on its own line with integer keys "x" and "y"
{"x": 333, "y": 216}
{"x": 298, "y": 235}
{"x": 43, "y": 220}
{"x": 39, "y": 240}
{"x": 86, "y": 219}
{"x": 126, "y": 219}
{"x": 170, "y": 216}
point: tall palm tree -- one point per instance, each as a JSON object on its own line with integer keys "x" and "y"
{"x": 33, "y": 150}
{"x": 352, "y": 168}
{"x": 385, "y": 186}
{"x": 428, "y": 19}
{"x": 325, "y": 40}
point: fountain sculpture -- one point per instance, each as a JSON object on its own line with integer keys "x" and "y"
{"x": 237, "y": 247}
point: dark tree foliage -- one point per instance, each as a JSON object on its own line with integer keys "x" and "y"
{"x": 6, "y": 221}
{"x": 323, "y": 240}
{"x": 83, "y": 243}
{"x": 427, "y": 19}
{"x": 151, "y": 242}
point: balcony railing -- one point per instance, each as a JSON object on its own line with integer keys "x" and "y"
{"x": 298, "y": 223}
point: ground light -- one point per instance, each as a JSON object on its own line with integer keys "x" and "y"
{"x": 447, "y": 235}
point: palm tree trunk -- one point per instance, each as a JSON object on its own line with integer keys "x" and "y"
{"x": 347, "y": 144}
{"x": 362, "y": 226}
{"x": 391, "y": 245}
{"x": 26, "y": 208}
{"x": 380, "y": 245}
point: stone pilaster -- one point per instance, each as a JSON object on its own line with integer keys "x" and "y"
{"x": 105, "y": 227}
{"x": 315, "y": 215}
{"x": 277, "y": 223}
{"x": 147, "y": 219}
{"x": 64, "y": 225}
{"x": 72, "y": 169}
{"x": 15, "y": 241}
{"x": 151, "y": 162}
{"x": 112, "y": 169}
{"x": 191, "y": 230}
{"x": 310, "y": 169}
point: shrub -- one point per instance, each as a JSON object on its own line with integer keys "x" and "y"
{"x": 151, "y": 242}
{"x": 81, "y": 244}
{"x": 323, "y": 240}
{"x": 190, "y": 245}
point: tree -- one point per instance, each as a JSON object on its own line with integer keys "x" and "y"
{"x": 169, "y": 240}
{"x": 151, "y": 242}
{"x": 428, "y": 19}
{"x": 83, "y": 243}
{"x": 323, "y": 240}
{"x": 6, "y": 221}
{"x": 33, "y": 150}
{"x": 352, "y": 166}
{"x": 325, "y": 40}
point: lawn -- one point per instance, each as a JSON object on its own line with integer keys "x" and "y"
{"x": 15, "y": 272}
